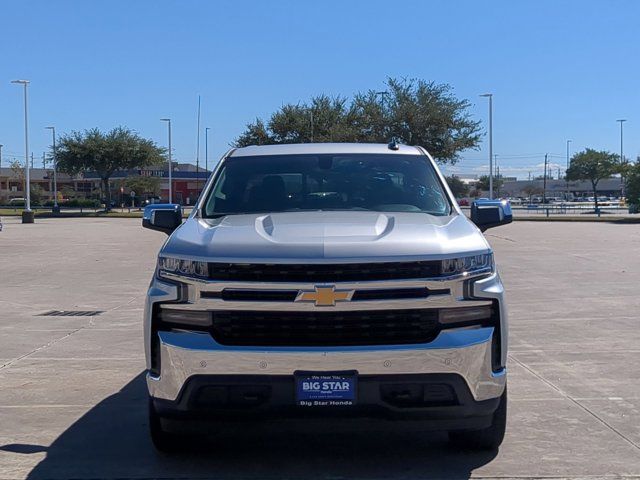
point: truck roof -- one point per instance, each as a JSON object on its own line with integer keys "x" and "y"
{"x": 323, "y": 148}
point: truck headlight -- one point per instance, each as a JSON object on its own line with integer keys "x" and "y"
{"x": 468, "y": 265}
{"x": 168, "y": 266}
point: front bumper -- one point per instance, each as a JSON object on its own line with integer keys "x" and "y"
{"x": 430, "y": 401}
{"x": 466, "y": 353}
{"x": 466, "y": 356}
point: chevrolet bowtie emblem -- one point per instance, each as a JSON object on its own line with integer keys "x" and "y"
{"x": 324, "y": 295}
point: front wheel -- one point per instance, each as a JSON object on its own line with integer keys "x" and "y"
{"x": 488, "y": 438}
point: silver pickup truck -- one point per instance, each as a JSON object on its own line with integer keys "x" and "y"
{"x": 323, "y": 280}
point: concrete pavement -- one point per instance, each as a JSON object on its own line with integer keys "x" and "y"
{"x": 72, "y": 392}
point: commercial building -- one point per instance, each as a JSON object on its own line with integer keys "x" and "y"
{"x": 607, "y": 187}
{"x": 12, "y": 184}
{"x": 187, "y": 184}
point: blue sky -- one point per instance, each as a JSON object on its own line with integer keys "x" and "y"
{"x": 558, "y": 69}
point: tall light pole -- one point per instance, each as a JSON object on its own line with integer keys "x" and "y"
{"x": 206, "y": 148}
{"x": 383, "y": 97}
{"x": 56, "y": 209}
{"x": 565, "y": 172}
{"x": 544, "y": 180}
{"x": 168, "y": 120}
{"x": 198, "y": 152}
{"x": 490, "y": 97}
{"x": 27, "y": 214}
{"x": 1, "y": 168}
{"x": 622, "y": 120}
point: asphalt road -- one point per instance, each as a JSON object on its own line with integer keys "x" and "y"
{"x": 73, "y": 399}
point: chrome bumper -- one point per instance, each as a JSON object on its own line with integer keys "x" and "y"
{"x": 463, "y": 352}
{"x": 466, "y": 352}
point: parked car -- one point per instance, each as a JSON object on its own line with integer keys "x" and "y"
{"x": 17, "y": 202}
{"x": 152, "y": 200}
{"x": 325, "y": 279}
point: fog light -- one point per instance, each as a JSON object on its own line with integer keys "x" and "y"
{"x": 186, "y": 317}
{"x": 448, "y": 316}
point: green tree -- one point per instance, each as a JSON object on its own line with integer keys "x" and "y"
{"x": 105, "y": 153}
{"x": 67, "y": 192}
{"x": 17, "y": 171}
{"x": 457, "y": 186}
{"x": 414, "y": 112}
{"x": 36, "y": 192}
{"x": 475, "y": 193}
{"x": 483, "y": 183}
{"x": 593, "y": 166}
{"x": 632, "y": 185}
{"x": 143, "y": 185}
{"x": 256, "y": 133}
{"x": 532, "y": 189}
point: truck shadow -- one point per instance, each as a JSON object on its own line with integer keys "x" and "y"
{"x": 111, "y": 441}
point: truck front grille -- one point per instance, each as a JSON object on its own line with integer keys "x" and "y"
{"x": 388, "y": 327}
{"x": 261, "y": 295}
{"x": 348, "y": 272}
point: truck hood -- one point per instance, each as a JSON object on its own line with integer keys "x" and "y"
{"x": 309, "y": 237}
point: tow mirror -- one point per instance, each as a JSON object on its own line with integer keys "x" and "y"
{"x": 491, "y": 213}
{"x": 164, "y": 217}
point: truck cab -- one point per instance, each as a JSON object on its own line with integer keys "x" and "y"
{"x": 315, "y": 280}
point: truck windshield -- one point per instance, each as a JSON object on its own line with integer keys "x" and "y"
{"x": 285, "y": 183}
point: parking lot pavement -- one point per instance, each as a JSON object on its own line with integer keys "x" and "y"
{"x": 72, "y": 392}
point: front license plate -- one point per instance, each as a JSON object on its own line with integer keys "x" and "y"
{"x": 320, "y": 389}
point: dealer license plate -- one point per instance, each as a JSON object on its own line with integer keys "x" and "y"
{"x": 320, "y": 389}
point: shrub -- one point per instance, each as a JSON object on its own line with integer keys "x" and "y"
{"x": 82, "y": 203}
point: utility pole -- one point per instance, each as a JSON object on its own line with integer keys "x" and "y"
{"x": 544, "y": 180}
{"x": 622, "y": 162}
{"x": 168, "y": 120}
{"x": 56, "y": 208}
{"x": 198, "y": 152}
{"x": 383, "y": 95}
{"x": 31, "y": 160}
{"x": 206, "y": 149}
{"x": 490, "y": 97}
{"x": 565, "y": 172}
{"x": 383, "y": 98}
{"x": 27, "y": 214}
{"x": 311, "y": 120}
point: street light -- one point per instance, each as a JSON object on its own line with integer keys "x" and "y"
{"x": 565, "y": 172}
{"x": 206, "y": 148}
{"x": 56, "y": 208}
{"x": 198, "y": 154}
{"x": 622, "y": 120}
{"x": 490, "y": 97}
{"x": 1, "y": 168}
{"x": 27, "y": 214}
{"x": 168, "y": 120}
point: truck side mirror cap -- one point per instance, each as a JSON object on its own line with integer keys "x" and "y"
{"x": 491, "y": 213}
{"x": 164, "y": 217}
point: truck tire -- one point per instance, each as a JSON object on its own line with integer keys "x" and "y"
{"x": 163, "y": 441}
{"x": 489, "y": 438}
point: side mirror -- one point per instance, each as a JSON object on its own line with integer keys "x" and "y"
{"x": 164, "y": 217}
{"x": 491, "y": 213}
